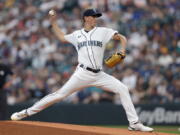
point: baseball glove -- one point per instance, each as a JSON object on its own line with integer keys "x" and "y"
{"x": 114, "y": 59}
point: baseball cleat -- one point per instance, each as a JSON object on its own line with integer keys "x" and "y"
{"x": 19, "y": 115}
{"x": 139, "y": 127}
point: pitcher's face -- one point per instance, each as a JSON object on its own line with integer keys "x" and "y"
{"x": 90, "y": 20}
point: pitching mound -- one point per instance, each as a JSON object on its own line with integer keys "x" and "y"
{"x": 45, "y": 128}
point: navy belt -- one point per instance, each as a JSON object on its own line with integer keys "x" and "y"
{"x": 90, "y": 69}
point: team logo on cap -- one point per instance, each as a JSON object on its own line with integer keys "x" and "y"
{"x": 94, "y": 10}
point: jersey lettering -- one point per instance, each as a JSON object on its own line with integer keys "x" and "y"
{"x": 89, "y": 43}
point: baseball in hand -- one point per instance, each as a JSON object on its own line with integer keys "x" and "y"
{"x": 52, "y": 12}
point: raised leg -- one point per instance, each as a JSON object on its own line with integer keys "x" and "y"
{"x": 110, "y": 83}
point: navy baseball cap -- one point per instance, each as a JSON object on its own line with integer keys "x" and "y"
{"x": 92, "y": 12}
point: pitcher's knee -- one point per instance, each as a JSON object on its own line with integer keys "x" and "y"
{"x": 122, "y": 89}
{"x": 126, "y": 88}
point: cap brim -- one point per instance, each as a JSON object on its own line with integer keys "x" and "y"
{"x": 98, "y": 15}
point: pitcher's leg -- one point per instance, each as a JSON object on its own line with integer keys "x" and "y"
{"x": 46, "y": 102}
{"x": 72, "y": 85}
{"x": 110, "y": 83}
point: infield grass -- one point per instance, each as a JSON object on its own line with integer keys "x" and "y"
{"x": 165, "y": 129}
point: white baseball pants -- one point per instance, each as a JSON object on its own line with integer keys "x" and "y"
{"x": 83, "y": 78}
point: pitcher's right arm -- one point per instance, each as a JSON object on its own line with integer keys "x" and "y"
{"x": 56, "y": 29}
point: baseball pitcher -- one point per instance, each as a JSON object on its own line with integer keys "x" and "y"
{"x": 90, "y": 43}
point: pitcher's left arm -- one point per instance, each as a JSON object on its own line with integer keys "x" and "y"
{"x": 123, "y": 41}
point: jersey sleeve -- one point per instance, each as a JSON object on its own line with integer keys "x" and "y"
{"x": 108, "y": 34}
{"x": 71, "y": 38}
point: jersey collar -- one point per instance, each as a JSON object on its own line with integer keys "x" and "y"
{"x": 84, "y": 32}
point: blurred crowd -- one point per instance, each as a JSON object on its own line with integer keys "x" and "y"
{"x": 41, "y": 64}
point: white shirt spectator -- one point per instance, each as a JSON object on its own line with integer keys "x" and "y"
{"x": 165, "y": 60}
{"x": 130, "y": 79}
{"x": 137, "y": 40}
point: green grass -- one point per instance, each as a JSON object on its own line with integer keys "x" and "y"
{"x": 165, "y": 129}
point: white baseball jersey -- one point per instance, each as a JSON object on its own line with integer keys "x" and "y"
{"x": 91, "y": 45}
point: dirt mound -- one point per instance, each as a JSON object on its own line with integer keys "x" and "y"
{"x": 45, "y": 128}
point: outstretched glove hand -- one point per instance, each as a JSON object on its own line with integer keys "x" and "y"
{"x": 115, "y": 59}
